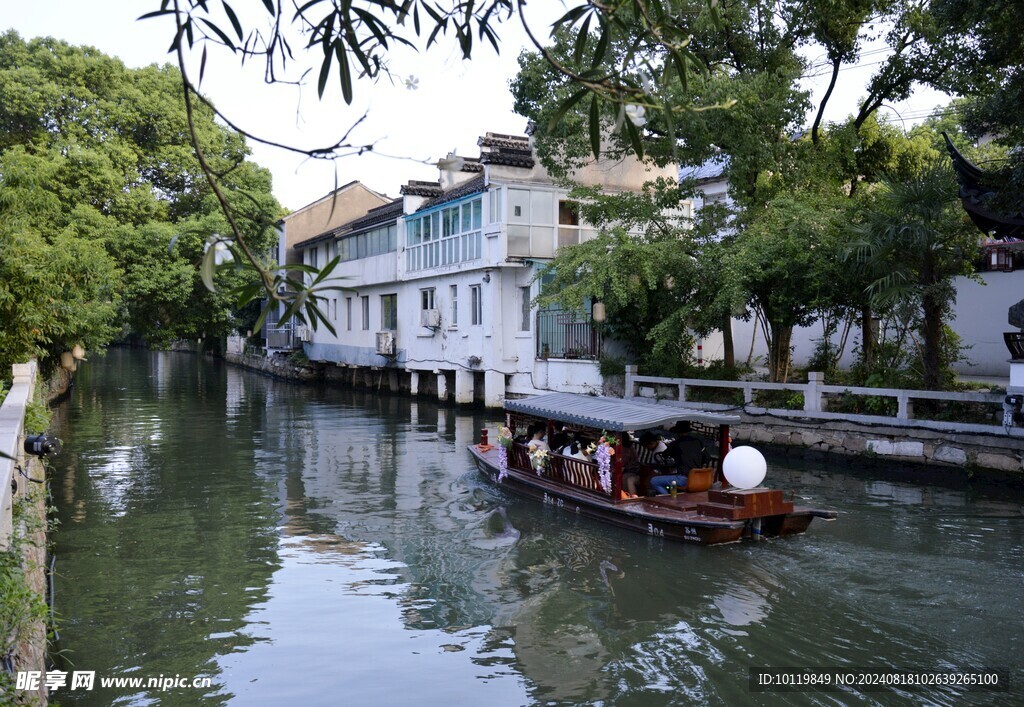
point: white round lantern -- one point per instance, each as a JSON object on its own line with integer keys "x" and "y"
{"x": 744, "y": 467}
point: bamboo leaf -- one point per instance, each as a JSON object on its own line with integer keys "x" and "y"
{"x": 345, "y": 70}
{"x": 569, "y": 18}
{"x": 634, "y": 138}
{"x": 602, "y": 45}
{"x": 595, "y": 127}
{"x": 219, "y": 32}
{"x": 581, "y": 42}
{"x": 564, "y": 108}
{"x": 325, "y": 71}
{"x": 262, "y": 319}
{"x": 233, "y": 18}
{"x": 208, "y": 267}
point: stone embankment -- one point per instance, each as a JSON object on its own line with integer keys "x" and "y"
{"x": 807, "y": 437}
{"x": 966, "y": 451}
{"x": 277, "y": 366}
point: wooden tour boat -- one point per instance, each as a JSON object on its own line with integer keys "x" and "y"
{"x": 707, "y": 512}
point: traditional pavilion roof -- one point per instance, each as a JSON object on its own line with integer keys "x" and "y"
{"x": 612, "y": 414}
{"x": 978, "y": 191}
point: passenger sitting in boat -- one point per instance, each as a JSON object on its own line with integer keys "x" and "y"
{"x": 651, "y": 447}
{"x": 577, "y": 449}
{"x": 693, "y": 444}
{"x": 535, "y": 438}
{"x": 559, "y": 440}
{"x": 682, "y": 454}
{"x": 630, "y": 466}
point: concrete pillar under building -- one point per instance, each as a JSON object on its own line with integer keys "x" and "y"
{"x": 414, "y": 383}
{"x": 494, "y": 389}
{"x": 442, "y": 386}
{"x": 393, "y": 381}
{"x": 463, "y": 386}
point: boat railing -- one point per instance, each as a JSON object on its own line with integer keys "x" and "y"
{"x": 567, "y": 470}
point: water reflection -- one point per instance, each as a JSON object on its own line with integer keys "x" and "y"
{"x": 324, "y": 546}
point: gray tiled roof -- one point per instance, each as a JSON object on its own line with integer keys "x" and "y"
{"x": 416, "y": 187}
{"x": 373, "y": 217}
{"x": 474, "y": 185}
{"x": 509, "y": 150}
{"x": 378, "y": 215}
{"x": 613, "y": 414}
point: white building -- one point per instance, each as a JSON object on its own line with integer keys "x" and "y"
{"x": 979, "y": 314}
{"x": 441, "y": 280}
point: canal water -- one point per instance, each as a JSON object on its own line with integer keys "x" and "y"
{"x": 303, "y": 546}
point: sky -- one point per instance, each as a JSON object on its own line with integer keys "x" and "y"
{"x": 438, "y": 104}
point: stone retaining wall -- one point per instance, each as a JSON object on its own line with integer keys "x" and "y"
{"x": 898, "y": 444}
{"x": 966, "y": 451}
{"x": 277, "y": 366}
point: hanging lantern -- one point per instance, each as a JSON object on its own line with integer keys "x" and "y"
{"x": 78, "y": 352}
{"x": 67, "y": 362}
{"x": 598, "y": 312}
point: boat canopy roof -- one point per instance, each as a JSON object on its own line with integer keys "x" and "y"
{"x": 612, "y": 414}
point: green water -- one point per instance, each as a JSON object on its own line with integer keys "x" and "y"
{"x": 320, "y": 547}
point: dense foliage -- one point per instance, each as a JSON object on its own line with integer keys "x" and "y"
{"x": 800, "y": 198}
{"x": 98, "y": 178}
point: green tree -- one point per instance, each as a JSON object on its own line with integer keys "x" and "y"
{"x": 58, "y": 286}
{"x": 99, "y": 158}
{"x": 983, "y": 48}
{"x": 785, "y": 263}
{"x": 916, "y": 238}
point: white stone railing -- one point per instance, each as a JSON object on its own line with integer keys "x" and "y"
{"x": 815, "y": 407}
{"x": 12, "y": 428}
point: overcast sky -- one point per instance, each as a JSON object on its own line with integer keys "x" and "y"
{"x": 453, "y": 101}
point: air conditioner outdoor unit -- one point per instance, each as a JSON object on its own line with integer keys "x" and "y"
{"x": 430, "y": 317}
{"x": 386, "y": 343}
{"x": 304, "y": 333}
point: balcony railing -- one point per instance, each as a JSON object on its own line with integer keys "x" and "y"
{"x": 567, "y": 334}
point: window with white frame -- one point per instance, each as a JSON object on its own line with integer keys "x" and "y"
{"x": 427, "y": 298}
{"x": 445, "y": 236}
{"x": 524, "y": 308}
{"x": 531, "y": 222}
{"x": 494, "y": 202}
{"x": 348, "y": 313}
{"x": 334, "y": 309}
{"x": 389, "y": 312}
{"x": 476, "y": 306}
{"x": 453, "y": 296}
{"x": 366, "y": 312}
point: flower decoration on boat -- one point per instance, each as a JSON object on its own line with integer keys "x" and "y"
{"x": 505, "y": 437}
{"x": 603, "y": 455}
{"x": 539, "y": 460}
{"x": 504, "y": 444}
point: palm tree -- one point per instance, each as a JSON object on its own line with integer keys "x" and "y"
{"x": 914, "y": 238}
